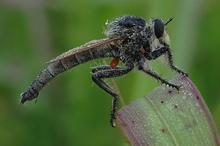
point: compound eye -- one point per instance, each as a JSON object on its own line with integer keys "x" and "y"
{"x": 158, "y": 28}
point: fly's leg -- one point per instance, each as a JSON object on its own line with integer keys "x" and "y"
{"x": 170, "y": 57}
{"x": 157, "y": 53}
{"x": 99, "y": 73}
{"x": 156, "y": 76}
{"x": 42, "y": 79}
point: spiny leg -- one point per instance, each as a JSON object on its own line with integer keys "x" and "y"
{"x": 170, "y": 59}
{"x": 99, "y": 73}
{"x": 151, "y": 56}
{"x": 156, "y": 76}
{"x": 155, "y": 54}
{"x": 96, "y": 70}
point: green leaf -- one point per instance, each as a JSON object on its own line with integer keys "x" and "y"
{"x": 168, "y": 117}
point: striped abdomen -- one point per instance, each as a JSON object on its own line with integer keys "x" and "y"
{"x": 61, "y": 65}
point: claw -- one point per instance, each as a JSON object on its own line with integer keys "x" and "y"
{"x": 112, "y": 122}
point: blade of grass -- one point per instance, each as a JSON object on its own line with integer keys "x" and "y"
{"x": 168, "y": 117}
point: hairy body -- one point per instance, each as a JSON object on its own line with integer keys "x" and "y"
{"x": 129, "y": 39}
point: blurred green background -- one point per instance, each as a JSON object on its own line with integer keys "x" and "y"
{"x": 72, "y": 110}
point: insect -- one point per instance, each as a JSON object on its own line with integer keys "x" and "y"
{"x": 129, "y": 39}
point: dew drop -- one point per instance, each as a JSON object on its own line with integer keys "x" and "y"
{"x": 184, "y": 97}
{"x": 107, "y": 22}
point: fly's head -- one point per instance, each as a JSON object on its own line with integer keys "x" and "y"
{"x": 157, "y": 34}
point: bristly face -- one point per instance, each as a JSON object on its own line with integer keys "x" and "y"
{"x": 159, "y": 34}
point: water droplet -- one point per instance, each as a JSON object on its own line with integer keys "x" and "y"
{"x": 184, "y": 97}
{"x": 107, "y": 22}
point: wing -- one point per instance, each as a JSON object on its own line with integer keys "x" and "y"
{"x": 90, "y": 45}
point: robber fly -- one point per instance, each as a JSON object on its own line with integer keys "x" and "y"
{"x": 129, "y": 39}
